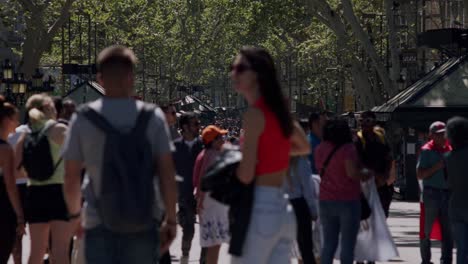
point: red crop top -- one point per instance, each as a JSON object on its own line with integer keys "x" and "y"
{"x": 273, "y": 147}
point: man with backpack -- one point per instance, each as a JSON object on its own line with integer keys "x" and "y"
{"x": 125, "y": 147}
{"x": 375, "y": 154}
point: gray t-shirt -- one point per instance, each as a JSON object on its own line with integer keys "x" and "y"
{"x": 85, "y": 143}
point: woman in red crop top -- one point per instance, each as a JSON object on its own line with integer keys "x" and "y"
{"x": 270, "y": 139}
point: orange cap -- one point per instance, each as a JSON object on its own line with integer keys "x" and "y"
{"x": 211, "y": 132}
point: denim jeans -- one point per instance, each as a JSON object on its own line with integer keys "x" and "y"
{"x": 103, "y": 246}
{"x": 340, "y": 221}
{"x": 436, "y": 204}
{"x": 460, "y": 233}
{"x": 272, "y": 229}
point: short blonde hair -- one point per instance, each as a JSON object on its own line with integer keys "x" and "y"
{"x": 35, "y": 107}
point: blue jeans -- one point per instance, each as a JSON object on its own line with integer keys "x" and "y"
{"x": 436, "y": 204}
{"x": 272, "y": 229}
{"x": 103, "y": 246}
{"x": 339, "y": 218}
{"x": 460, "y": 233}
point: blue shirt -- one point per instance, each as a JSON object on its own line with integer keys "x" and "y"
{"x": 314, "y": 142}
{"x": 302, "y": 184}
{"x": 427, "y": 159}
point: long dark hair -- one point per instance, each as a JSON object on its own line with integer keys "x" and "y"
{"x": 337, "y": 131}
{"x": 6, "y": 109}
{"x": 261, "y": 62}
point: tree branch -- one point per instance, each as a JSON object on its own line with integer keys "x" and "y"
{"x": 364, "y": 39}
{"x": 28, "y": 5}
{"x": 61, "y": 19}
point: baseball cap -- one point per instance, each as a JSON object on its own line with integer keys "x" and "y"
{"x": 437, "y": 127}
{"x": 211, "y": 132}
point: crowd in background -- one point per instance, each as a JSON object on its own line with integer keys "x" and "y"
{"x": 92, "y": 175}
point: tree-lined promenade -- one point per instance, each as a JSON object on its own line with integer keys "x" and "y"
{"x": 321, "y": 46}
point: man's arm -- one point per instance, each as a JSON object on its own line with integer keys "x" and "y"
{"x": 424, "y": 168}
{"x": 422, "y": 173}
{"x": 71, "y": 186}
{"x": 166, "y": 172}
{"x": 167, "y": 184}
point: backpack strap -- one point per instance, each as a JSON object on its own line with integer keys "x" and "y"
{"x": 143, "y": 118}
{"x": 97, "y": 119}
{"x": 378, "y": 134}
{"x": 327, "y": 161}
{"x": 46, "y": 128}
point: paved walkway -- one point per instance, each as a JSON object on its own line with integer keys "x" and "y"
{"x": 403, "y": 221}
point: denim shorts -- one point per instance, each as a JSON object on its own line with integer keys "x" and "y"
{"x": 272, "y": 229}
{"x": 103, "y": 246}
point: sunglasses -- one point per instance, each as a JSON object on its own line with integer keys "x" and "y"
{"x": 239, "y": 68}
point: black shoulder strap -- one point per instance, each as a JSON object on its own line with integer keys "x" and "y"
{"x": 97, "y": 119}
{"x": 143, "y": 118}
{"x": 327, "y": 161}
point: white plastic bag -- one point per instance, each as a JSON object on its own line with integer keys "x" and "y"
{"x": 317, "y": 235}
{"x": 374, "y": 241}
{"x": 78, "y": 251}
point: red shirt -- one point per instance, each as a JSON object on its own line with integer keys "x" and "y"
{"x": 336, "y": 185}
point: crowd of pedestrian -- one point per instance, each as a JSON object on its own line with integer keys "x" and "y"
{"x": 120, "y": 175}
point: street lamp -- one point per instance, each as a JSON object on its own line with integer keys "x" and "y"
{"x": 37, "y": 81}
{"x": 19, "y": 89}
{"x": 7, "y": 70}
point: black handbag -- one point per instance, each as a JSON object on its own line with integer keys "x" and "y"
{"x": 221, "y": 179}
{"x": 365, "y": 208}
{"x": 224, "y": 186}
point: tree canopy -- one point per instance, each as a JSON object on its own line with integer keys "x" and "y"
{"x": 317, "y": 44}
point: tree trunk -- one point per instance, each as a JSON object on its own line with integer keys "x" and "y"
{"x": 360, "y": 77}
{"x": 370, "y": 50}
{"x": 38, "y": 35}
{"x": 393, "y": 44}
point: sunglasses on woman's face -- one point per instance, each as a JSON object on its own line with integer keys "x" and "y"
{"x": 239, "y": 68}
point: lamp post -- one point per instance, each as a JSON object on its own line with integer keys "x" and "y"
{"x": 37, "y": 81}
{"x": 7, "y": 70}
{"x": 229, "y": 101}
{"x": 7, "y": 78}
{"x": 19, "y": 88}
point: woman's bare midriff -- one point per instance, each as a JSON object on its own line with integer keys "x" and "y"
{"x": 275, "y": 179}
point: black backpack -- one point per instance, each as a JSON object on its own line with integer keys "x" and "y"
{"x": 37, "y": 157}
{"x": 127, "y": 197}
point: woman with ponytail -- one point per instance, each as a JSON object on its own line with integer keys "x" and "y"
{"x": 12, "y": 217}
{"x": 270, "y": 138}
{"x": 46, "y": 211}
